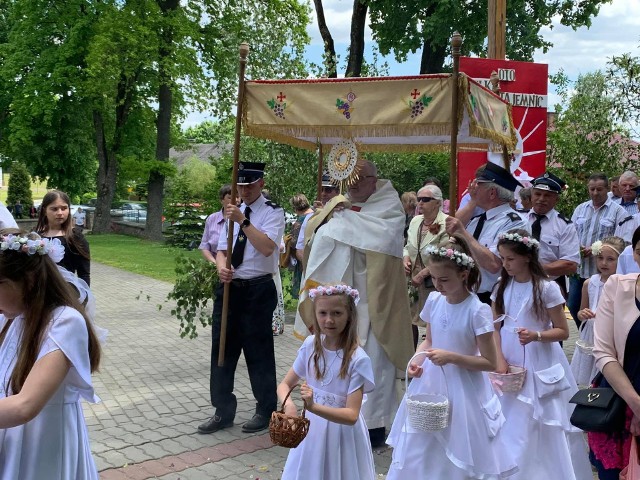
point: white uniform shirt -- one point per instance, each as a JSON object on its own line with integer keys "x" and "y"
{"x": 626, "y": 227}
{"x": 269, "y": 219}
{"x": 499, "y": 219}
{"x": 626, "y": 263}
{"x": 558, "y": 238}
{"x": 593, "y": 225}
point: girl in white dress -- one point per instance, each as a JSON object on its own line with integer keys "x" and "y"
{"x": 459, "y": 347}
{"x": 530, "y": 321}
{"x": 606, "y": 252}
{"x": 48, "y": 350}
{"x": 337, "y": 374}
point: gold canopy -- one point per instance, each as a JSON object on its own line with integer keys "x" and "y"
{"x": 379, "y": 114}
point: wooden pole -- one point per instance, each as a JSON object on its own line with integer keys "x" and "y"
{"x": 497, "y": 29}
{"x": 320, "y": 169}
{"x": 244, "y": 52}
{"x": 456, "y": 43}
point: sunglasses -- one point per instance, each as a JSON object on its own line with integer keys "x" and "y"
{"x": 425, "y": 199}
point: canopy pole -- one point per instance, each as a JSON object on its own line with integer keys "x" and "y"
{"x": 244, "y": 52}
{"x": 320, "y": 169}
{"x": 456, "y": 43}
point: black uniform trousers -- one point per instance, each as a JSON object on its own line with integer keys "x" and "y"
{"x": 251, "y": 306}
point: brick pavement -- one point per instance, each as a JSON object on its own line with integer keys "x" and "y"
{"x": 154, "y": 387}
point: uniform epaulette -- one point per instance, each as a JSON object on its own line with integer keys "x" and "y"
{"x": 625, "y": 220}
{"x": 566, "y": 220}
{"x": 272, "y": 204}
{"x": 514, "y": 217}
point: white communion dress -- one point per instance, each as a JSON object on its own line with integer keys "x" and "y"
{"x": 538, "y": 430}
{"x": 332, "y": 451}
{"x": 55, "y": 444}
{"x": 470, "y": 447}
{"x": 583, "y": 364}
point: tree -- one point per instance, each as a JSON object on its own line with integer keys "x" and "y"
{"x": 403, "y": 26}
{"x": 106, "y": 80}
{"x": 623, "y": 85}
{"x": 19, "y": 187}
{"x": 586, "y": 137}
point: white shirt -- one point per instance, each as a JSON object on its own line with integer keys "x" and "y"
{"x": 79, "y": 218}
{"x": 593, "y": 225}
{"x": 269, "y": 219}
{"x": 626, "y": 263}
{"x": 303, "y": 228}
{"x": 626, "y": 227}
{"x": 499, "y": 219}
{"x": 558, "y": 238}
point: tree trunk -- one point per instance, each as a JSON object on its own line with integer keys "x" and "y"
{"x": 329, "y": 48}
{"x": 106, "y": 181}
{"x": 432, "y": 58}
{"x": 356, "y": 48}
{"x": 153, "y": 230}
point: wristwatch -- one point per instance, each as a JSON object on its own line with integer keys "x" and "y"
{"x": 245, "y": 223}
{"x": 539, "y": 336}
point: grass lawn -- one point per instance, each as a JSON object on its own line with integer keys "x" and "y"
{"x": 153, "y": 259}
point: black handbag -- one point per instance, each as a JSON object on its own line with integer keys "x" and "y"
{"x": 598, "y": 409}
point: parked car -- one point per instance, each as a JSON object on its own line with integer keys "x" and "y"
{"x": 131, "y": 212}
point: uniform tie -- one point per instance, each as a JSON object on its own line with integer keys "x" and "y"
{"x": 536, "y": 226}
{"x": 241, "y": 242}
{"x": 481, "y": 219}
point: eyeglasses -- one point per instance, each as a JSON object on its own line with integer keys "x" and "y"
{"x": 425, "y": 199}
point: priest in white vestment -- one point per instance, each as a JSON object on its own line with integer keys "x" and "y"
{"x": 358, "y": 241}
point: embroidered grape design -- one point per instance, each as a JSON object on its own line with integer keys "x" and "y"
{"x": 278, "y": 110}
{"x": 417, "y": 109}
{"x": 344, "y": 106}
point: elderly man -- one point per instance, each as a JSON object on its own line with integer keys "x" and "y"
{"x": 358, "y": 241}
{"x": 627, "y": 226}
{"x": 258, "y": 228}
{"x": 492, "y": 190}
{"x": 559, "y": 244}
{"x": 594, "y": 220}
{"x": 628, "y": 184}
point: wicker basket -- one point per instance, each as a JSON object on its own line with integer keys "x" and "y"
{"x": 286, "y": 430}
{"x": 584, "y": 347}
{"x": 513, "y": 380}
{"x": 427, "y": 412}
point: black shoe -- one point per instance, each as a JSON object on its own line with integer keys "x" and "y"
{"x": 214, "y": 424}
{"x": 376, "y": 435}
{"x": 257, "y": 423}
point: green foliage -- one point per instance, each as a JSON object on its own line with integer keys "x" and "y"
{"x": 586, "y": 137}
{"x": 20, "y": 187}
{"x": 408, "y": 171}
{"x": 404, "y": 26}
{"x": 623, "y": 85}
{"x": 196, "y": 280}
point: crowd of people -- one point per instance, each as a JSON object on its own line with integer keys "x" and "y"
{"x": 487, "y": 285}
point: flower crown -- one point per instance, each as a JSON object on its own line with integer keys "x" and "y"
{"x": 596, "y": 248}
{"x": 335, "y": 290}
{"x": 33, "y": 246}
{"x": 528, "y": 242}
{"x": 461, "y": 258}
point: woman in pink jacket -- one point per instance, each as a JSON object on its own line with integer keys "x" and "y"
{"x": 617, "y": 354}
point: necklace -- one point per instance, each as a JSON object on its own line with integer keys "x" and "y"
{"x": 328, "y": 372}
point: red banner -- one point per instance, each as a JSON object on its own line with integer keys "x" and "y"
{"x": 524, "y": 85}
